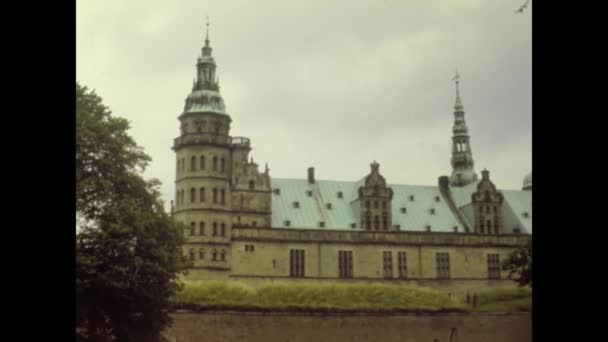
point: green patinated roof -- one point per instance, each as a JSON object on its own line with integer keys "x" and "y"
{"x": 344, "y": 211}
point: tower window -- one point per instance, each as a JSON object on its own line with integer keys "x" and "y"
{"x": 223, "y": 196}
{"x": 340, "y": 194}
{"x": 375, "y": 204}
{"x": 193, "y": 164}
{"x": 202, "y": 162}
{"x": 254, "y": 224}
{"x": 376, "y": 222}
{"x": 385, "y": 221}
{"x": 251, "y": 185}
{"x": 214, "y": 228}
{"x": 202, "y": 194}
{"x": 223, "y": 229}
{"x": 192, "y": 195}
{"x": 296, "y": 204}
{"x": 192, "y": 255}
{"x": 183, "y": 164}
{"x": 201, "y": 254}
{"x": 214, "y": 167}
{"x": 201, "y": 228}
{"x": 222, "y": 165}
{"x": 214, "y": 195}
{"x": 192, "y": 228}
{"x": 367, "y": 204}
{"x": 214, "y": 255}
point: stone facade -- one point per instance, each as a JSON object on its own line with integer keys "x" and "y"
{"x": 227, "y": 205}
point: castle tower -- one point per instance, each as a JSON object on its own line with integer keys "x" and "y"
{"x": 375, "y": 201}
{"x": 463, "y": 172}
{"x": 203, "y": 158}
{"x": 487, "y": 205}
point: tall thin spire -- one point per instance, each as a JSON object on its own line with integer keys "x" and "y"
{"x": 207, "y": 32}
{"x": 463, "y": 171}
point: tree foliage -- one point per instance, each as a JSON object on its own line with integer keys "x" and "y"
{"x": 128, "y": 250}
{"x": 519, "y": 265}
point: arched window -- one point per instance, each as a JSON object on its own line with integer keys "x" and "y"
{"x": 177, "y": 169}
{"x": 251, "y": 185}
{"x": 192, "y": 195}
{"x": 222, "y": 255}
{"x": 368, "y": 220}
{"x": 202, "y": 194}
{"x": 177, "y": 197}
{"x": 489, "y": 225}
{"x": 223, "y": 197}
{"x": 202, "y": 162}
{"x": 367, "y": 204}
{"x": 375, "y": 204}
{"x": 376, "y": 222}
{"x": 222, "y": 165}
{"x": 383, "y": 204}
{"x": 192, "y": 255}
{"x": 192, "y": 228}
{"x": 193, "y": 163}
{"x": 385, "y": 221}
{"x": 183, "y": 164}
{"x": 181, "y": 195}
{"x": 214, "y": 228}
{"x": 223, "y": 230}
{"x": 214, "y": 255}
{"x": 214, "y": 163}
{"x": 214, "y": 195}
{"x": 201, "y": 254}
{"x": 201, "y": 228}
{"x": 481, "y": 227}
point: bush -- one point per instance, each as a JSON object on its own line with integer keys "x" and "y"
{"x": 507, "y": 299}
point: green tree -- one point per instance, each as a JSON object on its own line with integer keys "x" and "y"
{"x": 128, "y": 250}
{"x": 519, "y": 264}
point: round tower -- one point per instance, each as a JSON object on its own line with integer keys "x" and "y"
{"x": 203, "y": 168}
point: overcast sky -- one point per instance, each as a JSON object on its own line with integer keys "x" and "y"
{"x": 323, "y": 83}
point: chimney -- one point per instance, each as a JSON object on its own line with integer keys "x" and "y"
{"x": 311, "y": 175}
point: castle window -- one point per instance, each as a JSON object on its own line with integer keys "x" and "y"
{"x": 436, "y": 198}
{"x": 345, "y": 264}
{"x": 428, "y": 228}
{"x": 455, "y": 229}
{"x": 192, "y": 255}
{"x": 183, "y": 164}
{"x": 214, "y": 255}
{"x": 296, "y": 204}
{"x": 442, "y": 263}
{"x": 375, "y": 204}
{"x": 223, "y": 196}
{"x": 296, "y": 263}
{"x": 222, "y": 165}
{"x": 201, "y": 254}
{"x": 481, "y": 227}
{"x": 353, "y": 225}
{"x": 376, "y": 222}
{"x": 214, "y": 167}
{"x": 177, "y": 197}
{"x": 385, "y": 221}
{"x": 493, "y": 266}
{"x": 367, "y": 204}
{"x": 214, "y": 229}
{"x": 193, "y": 164}
{"x": 397, "y": 227}
{"x": 328, "y": 205}
{"x": 402, "y": 264}
{"x": 251, "y": 185}
{"x": 412, "y": 198}
{"x": 383, "y": 204}
{"x": 432, "y": 211}
{"x": 214, "y": 195}
{"x": 177, "y": 169}
{"x": 192, "y": 228}
{"x": 181, "y": 195}
{"x": 489, "y": 226}
{"x": 368, "y": 220}
{"x": 223, "y": 255}
{"x": 488, "y": 209}
{"x": 287, "y": 223}
{"x": 223, "y": 229}
{"x": 202, "y": 194}
{"x": 277, "y": 191}
{"x": 403, "y": 210}
{"x": 254, "y": 224}
{"x": 495, "y": 209}
{"x": 201, "y": 228}
{"x": 340, "y": 194}
{"x": 525, "y": 215}
{"x": 192, "y": 195}
{"x": 202, "y": 162}
{"x": 387, "y": 264}
{"x": 516, "y": 230}
{"x": 309, "y": 193}
{"x": 322, "y": 224}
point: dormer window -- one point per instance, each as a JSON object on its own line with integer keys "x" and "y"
{"x": 353, "y": 225}
{"x": 322, "y": 224}
{"x": 516, "y": 230}
{"x": 432, "y": 211}
{"x": 309, "y": 193}
{"x": 277, "y": 191}
{"x": 328, "y": 205}
{"x": 287, "y": 223}
{"x": 397, "y": 227}
{"x": 455, "y": 229}
{"x": 340, "y": 195}
{"x": 526, "y": 214}
{"x": 412, "y": 198}
{"x": 436, "y": 198}
{"x": 428, "y": 228}
{"x": 296, "y": 204}
{"x": 403, "y": 210}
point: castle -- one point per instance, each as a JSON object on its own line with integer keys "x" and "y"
{"x": 244, "y": 225}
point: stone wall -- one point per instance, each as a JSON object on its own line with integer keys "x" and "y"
{"x": 306, "y": 327}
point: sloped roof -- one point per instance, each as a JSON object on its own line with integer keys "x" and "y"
{"x": 344, "y": 211}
